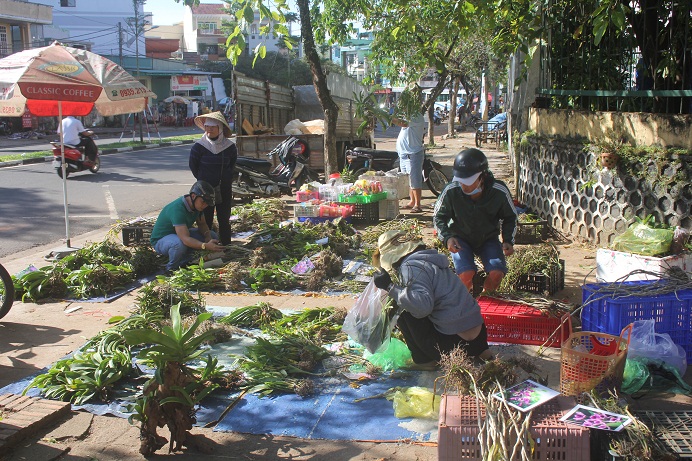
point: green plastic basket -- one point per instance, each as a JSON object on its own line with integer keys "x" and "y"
{"x": 362, "y": 198}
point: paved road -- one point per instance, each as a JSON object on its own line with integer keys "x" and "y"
{"x": 18, "y": 146}
{"x": 129, "y": 185}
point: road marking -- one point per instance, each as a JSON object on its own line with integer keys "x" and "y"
{"x": 110, "y": 202}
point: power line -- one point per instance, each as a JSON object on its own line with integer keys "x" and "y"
{"x": 95, "y": 32}
{"x": 81, "y": 17}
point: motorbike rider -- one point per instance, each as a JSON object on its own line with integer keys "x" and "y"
{"x": 173, "y": 234}
{"x": 212, "y": 159}
{"x": 470, "y": 214}
{"x": 74, "y": 134}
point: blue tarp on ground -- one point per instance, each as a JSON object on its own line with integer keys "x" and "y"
{"x": 332, "y": 413}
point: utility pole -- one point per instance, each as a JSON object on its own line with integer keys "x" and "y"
{"x": 138, "y": 30}
{"x": 120, "y": 43}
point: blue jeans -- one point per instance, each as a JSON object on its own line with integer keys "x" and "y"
{"x": 178, "y": 253}
{"x": 490, "y": 253}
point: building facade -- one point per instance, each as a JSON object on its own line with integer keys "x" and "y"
{"x": 22, "y": 25}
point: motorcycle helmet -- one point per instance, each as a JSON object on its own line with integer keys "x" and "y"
{"x": 205, "y": 190}
{"x": 470, "y": 162}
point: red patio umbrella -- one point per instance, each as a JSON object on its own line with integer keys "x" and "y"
{"x": 58, "y": 80}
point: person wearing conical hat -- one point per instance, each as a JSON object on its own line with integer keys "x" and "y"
{"x": 212, "y": 159}
{"x": 439, "y": 313}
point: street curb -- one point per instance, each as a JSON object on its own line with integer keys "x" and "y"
{"x": 117, "y": 150}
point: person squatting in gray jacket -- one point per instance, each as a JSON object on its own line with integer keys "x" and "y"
{"x": 439, "y": 313}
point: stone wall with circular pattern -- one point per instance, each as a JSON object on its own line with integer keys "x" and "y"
{"x": 559, "y": 182}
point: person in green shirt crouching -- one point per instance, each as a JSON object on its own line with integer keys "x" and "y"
{"x": 173, "y": 234}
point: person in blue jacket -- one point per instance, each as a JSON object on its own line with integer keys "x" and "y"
{"x": 212, "y": 159}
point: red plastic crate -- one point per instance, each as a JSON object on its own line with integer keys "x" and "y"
{"x": 516, "y": 323}
{"x": 457, "y": 437}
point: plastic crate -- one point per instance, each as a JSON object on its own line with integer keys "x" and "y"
{"x": 322, "y": 219}
{"x": 136, "y": 235}
{"x": 531, "y": 232}
{"x": 329, "y": 193}
{"x": 304, "y": 210}
{"x": 606, "y": 312}
{"x": 553, "y": 439}
{"x": 363, "y": 198}
{"x": 366, "y": 213}
{"x": 673, "y": 428}
{"x": 536, "y": 282}
{"x": 307, "y": 195}
{"x": 587, "y": 362}
{"x": 515, "y": 323}
{"x": 540, "y": 283}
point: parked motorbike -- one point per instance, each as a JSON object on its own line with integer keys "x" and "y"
{"x": 75, "y": 158}
{"x": 259, "y": 178}
{"x": 6, "y": 292}
{"x": 5, "y": 128}
{"x": 362, "y": 159}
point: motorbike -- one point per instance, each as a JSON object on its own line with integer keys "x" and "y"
{"x": 75, "y": 158}
{"x": 259, "y": 178}
{"x": 5, "y": 128}
{"x": 6, "y": 291}
{"x": 362, "y": 159}
{"x": 437, "y": 118}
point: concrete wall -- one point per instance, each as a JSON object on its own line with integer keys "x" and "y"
{"x": 641, "y": 129}
{"x": 558, "y": 181}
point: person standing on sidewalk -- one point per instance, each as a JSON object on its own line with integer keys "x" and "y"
{"x": 173, "y": 234}
{"x": 439, "y": 313}
{"x": 74, "y": 134}
{"x": 212, "y": 159}
{"x": 409, "y": 146}
{"x": 470, "y": 214}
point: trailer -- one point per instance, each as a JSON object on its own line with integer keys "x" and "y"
{"x": 273, "y": 106}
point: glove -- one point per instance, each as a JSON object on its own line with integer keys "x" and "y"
{"x": 382, "y": 279}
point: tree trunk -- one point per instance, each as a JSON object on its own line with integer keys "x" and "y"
{"x": 431, "y": 125}
{"x": 319, "y": 79}
{"x": 451, "y": 117}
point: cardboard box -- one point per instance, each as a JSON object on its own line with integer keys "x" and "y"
{"x": 389, "y": 209}
{"x": 403, "y": 186}
{"x": 615, "y": 266}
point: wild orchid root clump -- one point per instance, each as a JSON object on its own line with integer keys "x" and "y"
{"x": 460, "y": 372}
{"x": 327, "y": 266}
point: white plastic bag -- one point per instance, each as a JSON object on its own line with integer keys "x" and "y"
{"x": 368, "y": 322}
{"x": 646, "y": 343}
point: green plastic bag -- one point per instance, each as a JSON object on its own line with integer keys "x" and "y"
{"x": 415, "y": 402}
{"x": 642, "y": 239}
{"x": 390, "y": 356}
{"x": 636, "y": 374}
{"x": 642, "y": 374}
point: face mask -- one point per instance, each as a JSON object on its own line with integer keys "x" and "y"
{"x": 477, "y": 190}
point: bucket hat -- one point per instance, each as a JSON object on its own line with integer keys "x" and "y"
{"x": 394, "y": 245}
{"x": 218, "y": 116}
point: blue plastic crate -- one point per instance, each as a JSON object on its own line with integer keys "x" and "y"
{"x": 606, "y": 312}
